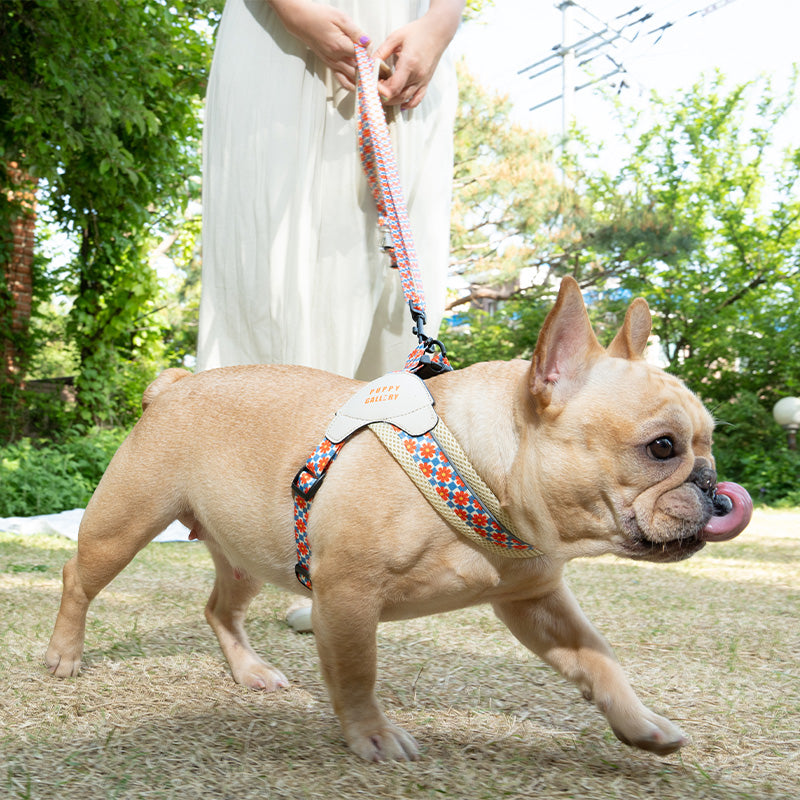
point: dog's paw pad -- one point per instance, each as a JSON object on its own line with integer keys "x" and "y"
{"x": 262, "y": 678}
{"x": 390, "y": 743}
{"x": 656, "y": 735}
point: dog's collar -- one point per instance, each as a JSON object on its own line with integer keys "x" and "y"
{"x": 398, "y": 409}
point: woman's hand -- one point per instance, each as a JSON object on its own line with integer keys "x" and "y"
{"x": 328, "y": 32}
{"x": 417, "y": 48}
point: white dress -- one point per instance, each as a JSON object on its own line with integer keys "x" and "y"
{"x": 292, "y": 267}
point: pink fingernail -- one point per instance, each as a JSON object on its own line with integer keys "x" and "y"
{"x": 364, "y": 40}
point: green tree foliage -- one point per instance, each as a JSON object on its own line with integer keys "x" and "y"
{"x": 506, "y": 200}
{"x": 702, "y": 218}
{"x": 505, "y": 188}
{"x": 708, "y": 209}
{"x": 52, "y": 477}
{"x": 474, "y": 8}
{"x": 99, "y": 102}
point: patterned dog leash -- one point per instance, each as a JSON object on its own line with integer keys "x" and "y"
{"x": 468, "y": 505}
{"x": 377, "y": 158}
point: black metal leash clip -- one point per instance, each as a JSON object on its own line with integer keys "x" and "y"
{"x": 429, "y": 363}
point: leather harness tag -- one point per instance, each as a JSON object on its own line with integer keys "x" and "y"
{"x": 399, "y": 398}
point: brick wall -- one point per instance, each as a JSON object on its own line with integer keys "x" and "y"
{"x": 18, "y": 270}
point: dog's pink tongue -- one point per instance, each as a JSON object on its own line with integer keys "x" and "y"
{"x": 724, "y": 527}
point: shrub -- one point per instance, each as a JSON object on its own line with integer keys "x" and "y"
{"x": 751, "y": 449}
{"x": 45, "y": 477}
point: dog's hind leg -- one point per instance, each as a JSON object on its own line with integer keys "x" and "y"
{"x": 111, "y": 534}
{"x": 226, "y": 610}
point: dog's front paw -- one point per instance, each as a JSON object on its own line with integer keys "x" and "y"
{"x": 649, "y": 731}
{"x": 386, "y": 742}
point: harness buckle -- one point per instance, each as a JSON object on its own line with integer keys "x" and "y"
{"x": 302, "y": 574}
{"x": 308, "y": 491}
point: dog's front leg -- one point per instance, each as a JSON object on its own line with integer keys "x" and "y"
{"x": 345, "y": 627}
{"x": 556, "y": 629}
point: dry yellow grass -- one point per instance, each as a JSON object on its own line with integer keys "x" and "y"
{"x": 712, "y": 642}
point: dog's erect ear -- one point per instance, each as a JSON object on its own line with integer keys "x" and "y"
{"x": 565, "y": 350}
{"x": 631, "y": 340}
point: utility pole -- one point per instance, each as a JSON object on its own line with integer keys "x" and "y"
{"x": 574, "y": 53}
{"x": 567, "y": 54}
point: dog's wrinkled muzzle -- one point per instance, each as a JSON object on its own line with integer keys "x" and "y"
{"x": 733, "y": 508}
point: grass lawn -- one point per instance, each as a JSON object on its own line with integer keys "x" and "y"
{"x": 712, "y": 642}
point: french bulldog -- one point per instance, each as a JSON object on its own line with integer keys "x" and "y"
{"x": 589, "y": 451}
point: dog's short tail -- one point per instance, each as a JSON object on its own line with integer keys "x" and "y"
{"x": 163, "y": 381}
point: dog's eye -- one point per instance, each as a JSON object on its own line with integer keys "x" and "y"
{"x": 661, "y": 448}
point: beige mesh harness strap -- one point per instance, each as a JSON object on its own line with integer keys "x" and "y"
{"x": 439, "y": 468}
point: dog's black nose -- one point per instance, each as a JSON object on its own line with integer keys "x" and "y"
{"x": 704, "y": 476}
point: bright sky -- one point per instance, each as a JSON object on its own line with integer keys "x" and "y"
{"x": 743, "y": 38}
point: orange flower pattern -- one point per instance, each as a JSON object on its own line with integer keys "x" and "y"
{"x": 432, "y": 462}
{"x": 304, "y": 486}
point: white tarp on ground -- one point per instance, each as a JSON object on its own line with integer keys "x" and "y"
{"x": 67, "y": 523}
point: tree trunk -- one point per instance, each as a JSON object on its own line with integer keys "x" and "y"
{"x": 16, "y": 256}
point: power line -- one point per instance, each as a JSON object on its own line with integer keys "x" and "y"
{"x": 602, "y": 39}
